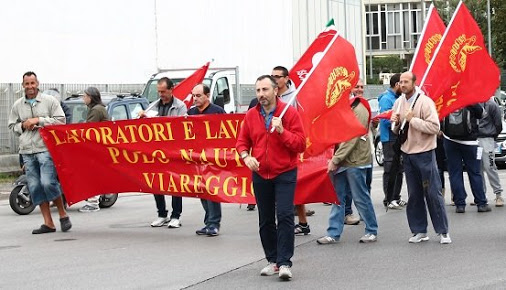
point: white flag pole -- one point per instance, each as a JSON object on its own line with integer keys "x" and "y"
{"x": 292, "y": 98}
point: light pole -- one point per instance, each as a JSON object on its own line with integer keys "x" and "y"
{"x": 489, "y": 29}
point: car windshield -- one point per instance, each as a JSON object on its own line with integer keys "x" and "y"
{"x": 151, "y": 93}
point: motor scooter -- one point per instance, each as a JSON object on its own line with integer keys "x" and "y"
{"x": 21, "y": 202}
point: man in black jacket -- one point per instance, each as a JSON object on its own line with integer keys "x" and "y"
{"x": 460, "y": 131}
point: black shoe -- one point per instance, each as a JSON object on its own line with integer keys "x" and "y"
{"x": 65, "y": 224}
{"x": 250, "y": 207}
{"x": 460, "y": 208}
{"x": 43, "y": 230}
{"x": 310, "y": 212}
{"x": 302, "y": 230}
{"x": 484, "y": 208}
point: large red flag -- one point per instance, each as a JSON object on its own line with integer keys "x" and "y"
{"x": 183, "y": 90}
{"x": 300, "y": 70}
{"x": 432, "y": 33}
{"x": 462, "y": 72}
{"x": 323, "y": 98}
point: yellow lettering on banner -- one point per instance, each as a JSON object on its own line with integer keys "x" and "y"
{"x": 58, "y": 141}
{"x": 171, "y": 187}
{"x": 187, "y": 156}
{"x": 131, "y": 129}
{"x": 203, "y": 158}
{"x": 188, "y": 130}
{"x": 208, "y": 185}
{"x": 145, "y": 133}
{"x": 74, "y": 137}
{"x": 150, "y": 180}
{"x": 197, "y": 182}
{"x": 159, "y": 132}
{"x": 185, "y": 180}
{"x": 106, "y": 135}
{"x": 208, "y": 131}
{"x": 114, "y": 153}
{"x": 95, "y": 133}
{"x": 244, "y": 186}
{"x": 121, "y": 137}
{"x": 225, "y": 186}
{"x": 135, "y": 156}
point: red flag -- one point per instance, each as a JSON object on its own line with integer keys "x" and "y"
{"x": 324, "y": 98}
{"x": 432, "y": 33}
{"x": 384, "y": 115}
{"x": 183, "y": 90}
{"x": 300, "y": 70}
{"x": 462, "y": 72}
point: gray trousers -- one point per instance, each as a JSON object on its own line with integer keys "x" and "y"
{"x": 488, "y": 165}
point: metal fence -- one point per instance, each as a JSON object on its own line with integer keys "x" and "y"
{"x": 10, "y": 92}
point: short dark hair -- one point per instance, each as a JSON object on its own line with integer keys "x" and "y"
{"x": 281, "y": 68}
{"x": 28, "y": 74}
{"x": 205, "y": 88}
{"x": 273, "y": 81}
{"x": 414, "y": 77}
{"x": 167, "y": 81}
{"x": 394, "y": 80}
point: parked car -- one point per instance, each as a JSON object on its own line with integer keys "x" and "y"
{"x": 119, "y": 106}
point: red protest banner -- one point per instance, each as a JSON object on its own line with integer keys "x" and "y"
{"x": 185, "y": 156}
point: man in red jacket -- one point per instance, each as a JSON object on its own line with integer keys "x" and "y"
{"x": 272, "y": 157}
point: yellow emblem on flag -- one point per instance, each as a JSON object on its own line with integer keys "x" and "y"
{"x": 338, "y": 82}
{"x": 461, "y": 48}
{"x": 430, "y": 46}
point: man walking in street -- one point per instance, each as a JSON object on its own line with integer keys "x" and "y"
{"x": 272, "y": 157}
{"x": 167, "y": 105}
{"x": 27, "y": 115}
{"x": 420, "y": 168}
{"x": 387, "y": 137}
{"x": 489, "y": 127}
{"x": 349, "y": 169}
{"x": 212, "y": 218}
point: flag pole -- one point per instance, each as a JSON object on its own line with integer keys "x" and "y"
{"x": 422, "y": 82}
{"x": 294, "y": 95}
{"x": 429, "y": 14}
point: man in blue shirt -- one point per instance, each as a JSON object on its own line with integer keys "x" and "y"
{"x": 212, "y": 218}
{"x": 387, "y": 137}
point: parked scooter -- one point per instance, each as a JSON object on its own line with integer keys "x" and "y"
{"x": 21, "y": 202}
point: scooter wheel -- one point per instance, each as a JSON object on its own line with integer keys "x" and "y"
{"x": 107, "y": 200}
{"x": 18, "y": 205}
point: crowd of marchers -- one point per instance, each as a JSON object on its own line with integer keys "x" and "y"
{"x": 417, "y": 145}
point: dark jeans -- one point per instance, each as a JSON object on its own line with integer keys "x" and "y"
{"x": 274, "y": 199}
{"x": 212, "y": 218}
{"x": 456, "y": 154}
{"x": 177, "y": 206}
{"x": 388, "y": 155}
{"x": 424, "y": 191}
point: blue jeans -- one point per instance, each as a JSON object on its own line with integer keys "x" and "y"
{"x": 455, "y": 154}
{"x": 422, "y": 179}
{"x": 212, "y": 217}
{"x": 348, "y": 209}
{"x": 177, "y": 206}
{"x": 356, "y": 180}
{"x": 274, "y": 199}
{"x": 41, "y": 177}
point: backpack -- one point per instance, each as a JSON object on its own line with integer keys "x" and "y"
{"x": 458, "y": 124}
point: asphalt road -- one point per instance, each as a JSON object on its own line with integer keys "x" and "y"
{"x": 117, "y": 249}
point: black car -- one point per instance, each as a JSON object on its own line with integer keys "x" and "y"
{"x": 118, "y": 106}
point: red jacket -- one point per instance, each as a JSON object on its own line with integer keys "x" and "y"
{"x": 276, "y": 153}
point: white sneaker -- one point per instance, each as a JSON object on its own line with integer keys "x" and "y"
{"x": 284, "y": 272}
{"x": 161, "y": 221}
{"x": 326, "y": 240}
{"x": 445, "y": 239}
{"x": 269, "y": 270}
{"x": 394, "y": 205}
{"x": 175, "y": 223}
{"x": 417, "y": 238}
{"x": 368, "y": 238}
